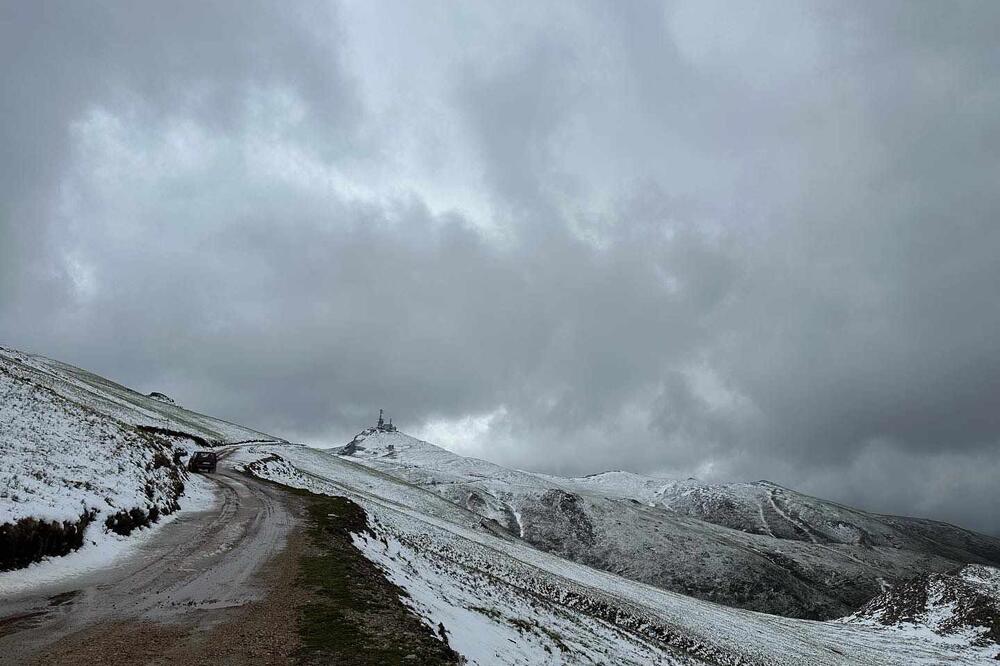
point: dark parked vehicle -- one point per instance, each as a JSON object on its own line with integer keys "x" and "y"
{"x": 203, "y": 461}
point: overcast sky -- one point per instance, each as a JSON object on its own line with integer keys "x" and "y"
{"x": 729, "y": 240}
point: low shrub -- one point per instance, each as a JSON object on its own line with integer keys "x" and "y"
{"x": 156, "y": 430}
{"x": 29, "y": 539}
{"x": 160, "y": 459}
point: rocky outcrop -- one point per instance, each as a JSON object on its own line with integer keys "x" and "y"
{"x": 966, "y": 601}
{"x": 162, "y": 397}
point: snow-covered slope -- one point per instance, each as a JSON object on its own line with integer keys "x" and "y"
{"x": 962, "y": 607}
{"x": 79, "y": 453}
{"x": 500, "y": 600}
{"x": 104, "y": 397}
{"x": 751, "y": 545}
{"x": 60, "y": 461}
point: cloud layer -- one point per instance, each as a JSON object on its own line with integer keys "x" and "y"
{"x": 737, "y": 241}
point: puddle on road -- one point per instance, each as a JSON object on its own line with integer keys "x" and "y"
{"x": 63, "y": 598}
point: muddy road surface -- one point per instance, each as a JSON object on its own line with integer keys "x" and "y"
{"x": 205, "y": 588}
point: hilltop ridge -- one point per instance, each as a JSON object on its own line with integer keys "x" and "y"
{"x": 752, "y": 545}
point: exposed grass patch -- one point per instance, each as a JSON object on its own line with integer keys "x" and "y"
{"x": 354, "y": 615}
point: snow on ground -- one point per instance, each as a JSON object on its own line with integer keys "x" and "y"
{"x": 120, "y": 403}
{"x": 398, "y": 451}
{"x": 435, "y": 550}
{"x": 60, "y": 460}
{"x": 958, "y": 608}
{"x": 77, "y": 450}
{"x": 486, "y": 619}
{"x": 759, "y": 507}
{"x": 102, "y": 548}
{"x": 488, "y": 623}
{"x": 752, "y": 545}
{"x": 622, "y": 485}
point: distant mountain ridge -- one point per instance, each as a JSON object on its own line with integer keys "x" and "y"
{"x": 751, "y": 545}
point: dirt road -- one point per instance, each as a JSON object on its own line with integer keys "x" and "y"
{"x": 203, "y": 580}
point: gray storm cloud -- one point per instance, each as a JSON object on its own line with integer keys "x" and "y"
{"x": 734, "y": 240}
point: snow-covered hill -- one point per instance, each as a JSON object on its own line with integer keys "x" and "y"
{"x": 104, "y": 397}
{"x": 500, "y": 600}
{"x": 962, "y": 606}
{"x": 751, "y": 545}
{"x": 80, "y": 454}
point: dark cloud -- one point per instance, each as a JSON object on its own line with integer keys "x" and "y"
{"x": 737, "y": 241}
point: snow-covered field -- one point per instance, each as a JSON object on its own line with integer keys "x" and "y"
{"x": 479, "y": 582}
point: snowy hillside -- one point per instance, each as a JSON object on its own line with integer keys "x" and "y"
{"x": 79, "y": 453}
{"x": 115, "y": 401}
{"x": 750, "y": 545}
{"x": 962, "y": 607}
{"x": 499, "y": 600}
